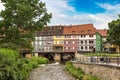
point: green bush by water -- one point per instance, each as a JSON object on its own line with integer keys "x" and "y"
{"x": 79, "y": 73}
{"x": 14, "y": 68}
{"x": 89, "y": 77}
{"x": 42, "y": 60}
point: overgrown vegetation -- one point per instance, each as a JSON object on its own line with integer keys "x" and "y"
{"x": 114, "y": 33}
{"x": 102, "y": 54}
{"x": 78, "y": 73}
{"x": 14, "y": 68}
{"x": 20, "y": 20}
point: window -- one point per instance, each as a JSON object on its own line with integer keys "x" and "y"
{"x": 66, "y": 42}
{"x": 46, "y": 48}
{"x": 66, "y": 47}
{"x": 85, "y": 42}
{"x": 91, "y": 35}
{"x": 90, "y": 47}
{"x": 81, "y": 47}
{"x": 69, "y": 48}
{"x": 74, "y": 36}
{"x": 67, "y": 36}
{"x": 89, "y": 30}
{"x": 73, "y": 47}
{"x": 98, "y": 37}
{"x": 58, "y": 36}
{"x": 73, "y": 42}
{"x": 98, "y": 48}
{"x": 62, "y": 42}
{"x": 91, "y": 42}
{"x": 81, "y": 42}
{"x": 84, "y": 36}
{"x": 81, "y": 36}
{"x": 98, "y": 43}
{"x": 85, "y": 47}
{"x": 55, "y": 42}
{"x": 69, "y": 42}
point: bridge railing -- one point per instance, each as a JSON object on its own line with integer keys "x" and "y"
{"x": 99, "y": 60}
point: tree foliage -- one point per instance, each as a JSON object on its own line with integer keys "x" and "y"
{"x": 19, "y": 21}
{"x": 114, "y": 32}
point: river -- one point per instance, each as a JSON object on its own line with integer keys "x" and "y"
{"x": 53, "y": 71}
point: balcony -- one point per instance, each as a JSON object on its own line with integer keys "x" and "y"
{"x": 58, "y": 45}
{"x": 58, "y": 48}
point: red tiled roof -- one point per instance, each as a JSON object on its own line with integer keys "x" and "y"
{"x": 102, "y": 32}
{"x": 79, "y": 29}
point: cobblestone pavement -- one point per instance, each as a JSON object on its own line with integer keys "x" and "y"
{"x": 54, "y": 71}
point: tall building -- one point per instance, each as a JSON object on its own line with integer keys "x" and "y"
{"x": 80, "y": 37}
{"x": 101, "y": 40}
{"x": 70, "y": 38}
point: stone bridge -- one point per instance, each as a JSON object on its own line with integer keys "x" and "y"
{"x": 56, "y": 56}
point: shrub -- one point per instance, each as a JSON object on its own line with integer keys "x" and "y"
{"x": 14, "y": 68}
{"x": 89, "y": 77}
{"x": 8, "y": 64}
{"x": 78, "y": 73}
{"x": 42, "y": 60}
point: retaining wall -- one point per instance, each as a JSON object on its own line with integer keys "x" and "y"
{"x": 105, "y": 72}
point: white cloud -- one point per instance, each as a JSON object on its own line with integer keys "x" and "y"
{"x": 100, "y": 21}
{"x": 1, "y": 6}
{"x": 64, "y": 14}
{"x": 58, "y": 6}
{"x": 61, "y": 14}
{"x": 108, "y": 6}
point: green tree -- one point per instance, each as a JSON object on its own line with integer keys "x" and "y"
{"x": 114, "y": 32}
{"x": 20, "y": 20}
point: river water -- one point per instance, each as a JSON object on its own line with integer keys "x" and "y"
{"x": 54, "y": 71}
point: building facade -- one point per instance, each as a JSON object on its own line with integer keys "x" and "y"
{"x": 70, "y": 38}
{"x": 58, "y": 39}
{"x": 101, "y": 40}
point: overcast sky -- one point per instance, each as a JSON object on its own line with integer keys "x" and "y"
{"x": 97, "y": 12}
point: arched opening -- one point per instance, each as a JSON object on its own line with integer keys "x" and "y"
{"x": 49, "y": 56}
{"x": 67, "y": 56}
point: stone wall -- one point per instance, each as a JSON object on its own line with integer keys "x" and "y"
{"x": 105, "y": 72}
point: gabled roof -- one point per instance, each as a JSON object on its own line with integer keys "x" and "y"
{"x": 67, "y": 30}
{"x": 79, "y": 29}
{"x": 50, "y": 31}
{"x": 102, "y": 32}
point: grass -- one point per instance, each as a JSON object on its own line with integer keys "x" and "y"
{"x": 79, "y": 73}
